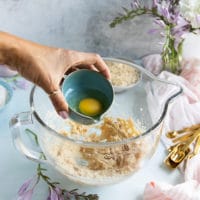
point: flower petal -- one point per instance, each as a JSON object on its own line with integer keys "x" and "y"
{"x": 26, "y": 196}
{"x": 53, "y": 194}
{"x": 22, "y": 84}
{"x": 24, "y": 187}
{"x": 58, "y": 191}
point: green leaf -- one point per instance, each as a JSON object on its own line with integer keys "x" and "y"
{"x": 125, "y": 9}
{"x": 55, "y": 183}
{"x": 43, "y": 169}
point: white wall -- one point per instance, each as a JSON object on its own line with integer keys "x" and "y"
{"x": 79, "y": 24}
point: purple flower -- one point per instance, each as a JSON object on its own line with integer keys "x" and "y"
{"x": 153, "y": 31}
{"x": 181, "y": 27}
{"x": 154, "y": 3}
{"x": 181, "y": 22}
{"x": 136, "y": 4}
{"x": 70, "y": 196}
{"x": 164, "y": 10}
{"x": 26, "y": 195}
{"x": 21, "y": 83}
{"x": 55, "y": 194}
{"x": 26, "y": 190}
{"x": 165, "y": 13}
{"x": 160, "y": 23}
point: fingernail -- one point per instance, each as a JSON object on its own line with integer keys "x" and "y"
{"x": 63, "y": 114}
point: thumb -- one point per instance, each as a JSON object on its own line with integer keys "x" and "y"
{"x": 59, "y": 103}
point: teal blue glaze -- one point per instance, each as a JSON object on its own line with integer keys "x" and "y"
{"x": 86, "y": 84}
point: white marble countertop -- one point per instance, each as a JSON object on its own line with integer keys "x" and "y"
{"x": 15, "y": 169}
{"x": 54, "y": 26}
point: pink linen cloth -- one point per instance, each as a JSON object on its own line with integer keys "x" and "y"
{"x": 184, "y": 111}
{"x": 189, "y": 190}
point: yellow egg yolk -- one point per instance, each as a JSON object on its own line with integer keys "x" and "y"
{"x": 90, "y": 107}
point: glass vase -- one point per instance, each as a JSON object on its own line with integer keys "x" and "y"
{"x": 172, "y": 54}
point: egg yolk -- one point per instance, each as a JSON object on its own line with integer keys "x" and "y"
{"x": 90, "y": 107}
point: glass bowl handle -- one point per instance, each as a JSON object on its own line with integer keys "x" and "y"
{"x": 15, "y": 123}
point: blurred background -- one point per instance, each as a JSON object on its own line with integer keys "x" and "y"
{"x": 80, "y": 25}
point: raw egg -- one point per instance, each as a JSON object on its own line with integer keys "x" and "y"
{"x": 90, "y": 107}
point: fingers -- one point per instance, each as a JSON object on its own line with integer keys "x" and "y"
{"x": 101, "y": 66}
{"x": 90, "y": 67}
{"x": 92, "y": 60}
{"x": 59, "y": 103}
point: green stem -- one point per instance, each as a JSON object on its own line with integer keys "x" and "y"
{"x": 131, "y": 14}
{"x": 44, "y": 177}
{"x": 170, "y": 56}
{"x": 14, "y": 78}
{"x": 51, "y": 184}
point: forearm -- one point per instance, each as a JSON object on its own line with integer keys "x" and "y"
{"x": 16, "y": 52}
{"x": 31, "y": 59}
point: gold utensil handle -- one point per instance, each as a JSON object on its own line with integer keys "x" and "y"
{"x": 173, "y": 134}
{"x": 196, "y": 148}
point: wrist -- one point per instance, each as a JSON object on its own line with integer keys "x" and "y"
{"x": 13, "y": 51}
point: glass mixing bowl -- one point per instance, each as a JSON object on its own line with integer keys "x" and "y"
{"x": 97, "y": 162}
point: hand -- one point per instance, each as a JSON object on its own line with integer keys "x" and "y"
{"x": 51, "y": 67}
{"x": 46, "y": 66}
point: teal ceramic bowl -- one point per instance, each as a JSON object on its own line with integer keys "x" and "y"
{"x": 84, "y": 84}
